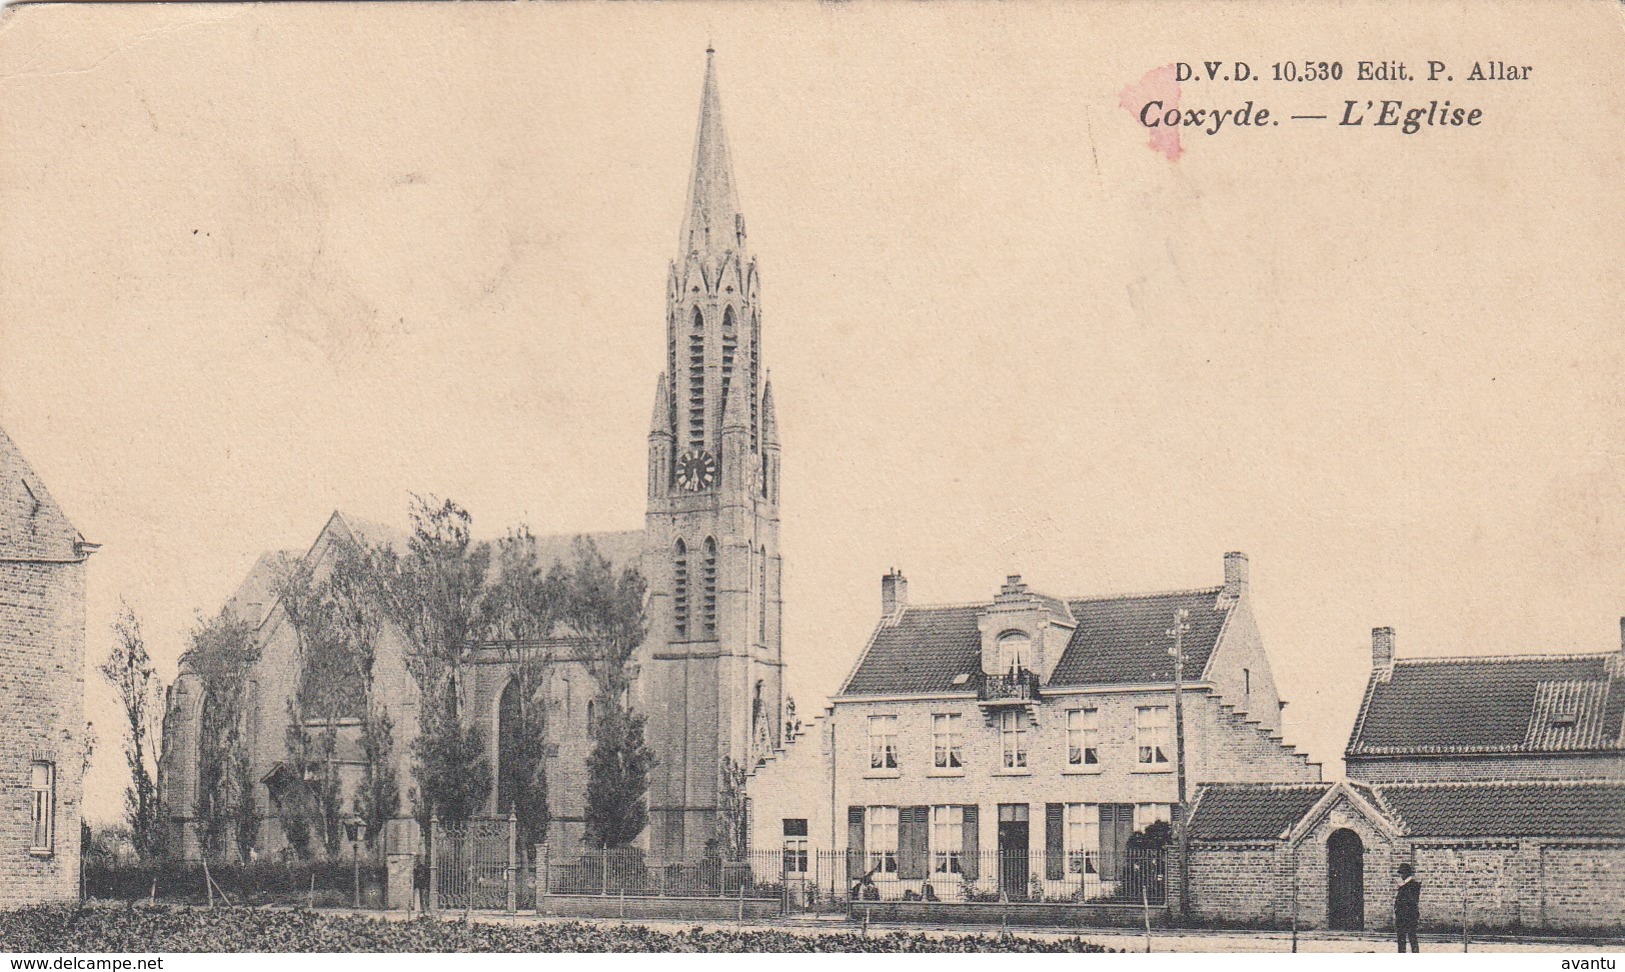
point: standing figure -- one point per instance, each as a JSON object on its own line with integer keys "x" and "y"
{"x": 1407, "y": 907}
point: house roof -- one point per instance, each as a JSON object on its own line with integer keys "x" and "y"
{"x": 1479, "y": 809}
{"x": 32, "y": 526}
{"x": 1506, "y": 809}
{"x": 1511, "y": 704}
{"x": 1118, "y": 639}
{"x": 1252, "y": 811}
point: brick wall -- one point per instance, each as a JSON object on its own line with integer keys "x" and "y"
{"x": 1546, "y": 885}
{"x": 1238, "y": 883}
{"x": 42, "y": 648}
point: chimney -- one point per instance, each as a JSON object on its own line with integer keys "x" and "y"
{"x": 893, "y": 592}
{"x": 1382, "y": 647}
{"x": 1235, "y": 574}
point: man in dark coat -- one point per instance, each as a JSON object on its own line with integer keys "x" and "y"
{"x": 1407, "y": 907}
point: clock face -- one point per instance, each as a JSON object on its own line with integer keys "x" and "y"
{"x": 696, "y": 470}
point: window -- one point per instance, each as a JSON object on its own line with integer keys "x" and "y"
{"x": 883, "y": 743}
{"x": 1153, "y": 734}
{"x": 761, "y": 599}
{"x": 1013, "y": 652}
{"x": 882, "y": 839}
{"x": 795, "y": 845}
{"x": 1247, "y": 681}
{"x": 679, "y": 592}
{"x": 1146, "y": 814}
{"x": 947, "y": 743}
{"x": 947, "y": 839}
{"x": 42, "y": 786}
{"x": 1082, "y": 838}
{"x": 696, "y": 382}
{"x": 1013, "y": 737}
{"x": 710, "y": 580}
{"x": 1083, "y": 737}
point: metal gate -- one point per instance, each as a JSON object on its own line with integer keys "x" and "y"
{"x": 474, "y": 866}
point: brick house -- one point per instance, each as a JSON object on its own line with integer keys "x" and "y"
{"x": 1500, "y": 779}
{"x": 1512, "y": 717}
{"x": 42, "y": 657}
{"x": 1015, "y": 745}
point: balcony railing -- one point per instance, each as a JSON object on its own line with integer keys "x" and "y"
{"x": 1016, "y": 688}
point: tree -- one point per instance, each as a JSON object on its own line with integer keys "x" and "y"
{"x": 129, "y": 670}
{"x": 434, "y": 594}
{"x": 222, "y": 653}
{"x": 337, "y": 610}
{"x": 605, "y": 610}
{"x": 522, "y": 608}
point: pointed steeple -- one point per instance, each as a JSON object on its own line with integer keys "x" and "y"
{"x": 660, "y": 419}
{"x": 770, "y": 422}
{"x": 712, "y": 223}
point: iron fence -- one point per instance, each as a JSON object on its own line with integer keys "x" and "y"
{"x": 630, "y": 871}
{"x": 475, "y": 864}
{"x": 827, "y": 880}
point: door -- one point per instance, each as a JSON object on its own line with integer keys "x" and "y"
{"x": 1013, "y": 829}
{"x": 1345, "y": 881}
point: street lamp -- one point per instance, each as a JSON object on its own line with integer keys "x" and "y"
{"x": 356, "y": 829}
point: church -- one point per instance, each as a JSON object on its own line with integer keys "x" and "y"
{"x": 709, "y": 672}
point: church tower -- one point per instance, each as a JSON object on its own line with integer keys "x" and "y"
{"x": 711, "y": 672}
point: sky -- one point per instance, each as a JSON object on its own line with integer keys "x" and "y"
{"x": 258, "y": 263}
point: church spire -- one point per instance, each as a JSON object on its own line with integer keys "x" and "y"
{"x": 712, "y": 223}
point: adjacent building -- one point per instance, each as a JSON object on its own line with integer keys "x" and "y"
{"x": 1501, "y": 779}
{"x": 42, "y": 657}
{"x": 1016, "y": 745}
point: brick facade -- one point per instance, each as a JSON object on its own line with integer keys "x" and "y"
{"x": 42, "y": 656}
{"x": 827, "y": 770}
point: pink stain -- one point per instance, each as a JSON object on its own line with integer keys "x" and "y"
{"x": 1157, "y": 84}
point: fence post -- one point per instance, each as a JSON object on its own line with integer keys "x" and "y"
{"x": 434, "y": 864}
{"x": 542, "y": 877}
{"x": 513, "y": 862}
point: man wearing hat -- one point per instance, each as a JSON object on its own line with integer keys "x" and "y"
{"x": 1407, "y": 907}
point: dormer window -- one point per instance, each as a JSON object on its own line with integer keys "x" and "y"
{"x": 1015, "y": 652}
{"x": 1564, "y": 720}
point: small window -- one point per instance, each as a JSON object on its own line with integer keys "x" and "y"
{"x": 883, "y": 742}
{"x": 1154, "y": 734}
{"x": 1564, "y": 719}
{"x": 1014, "y": 650}
{"x": 42, "y": 787}
{"x": 947, "y": 740}
{"x": 882, "y": 839}
{"x": 1013, "y": 738}
{"x": 1083, "y": 737}
{"x": 1246, "y": 681}
{"x": 947, "y": 839}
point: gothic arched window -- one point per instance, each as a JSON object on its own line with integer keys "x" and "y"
{"x": 679, "y": 591}
{"x": 696, "y": 381}
{"x": 730, "y": 344}
{"x": 710, "y": 582}
{"x": 755, "y": 373}
{"x": 761, "y": 599}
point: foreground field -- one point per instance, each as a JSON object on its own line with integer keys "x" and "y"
{"x": 120, "y": 929}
